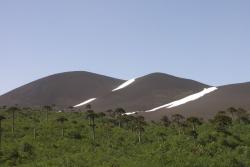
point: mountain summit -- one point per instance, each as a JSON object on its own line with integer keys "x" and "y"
{"x": 63, "y": 89}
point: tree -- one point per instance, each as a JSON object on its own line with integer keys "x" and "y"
{"x": 1, "y": 119}
{"x": 47, "y": 109}
{"x": 91, "y": 115}
{"x": 126, "y": 120}
{"x": 194, "y": 121}
{"x": 162, "y": 136}
{"x": 166, "y": 122}
{"x": 110, "y": 113}
{"x": 222, "y": 122}
{"x": 119, "y": 115}
{"x": 62, "y": 119}
{"x": 13, "y": 110}
{"x": 101, "y": 115}
{"x": 139, "y": 126}
{"x": 178, "y": 119}
{"x": 242, "y": 115}
{"x": 35, "y": 120}
{"x": 233, "y": 112}
{"x": 131, "y": 122}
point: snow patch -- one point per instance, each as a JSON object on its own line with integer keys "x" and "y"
{"x": 125, "y": 84}
{"x": 186, "y": 99}
{"x": 130, "y": 113}
{"x": 85, "y": 102}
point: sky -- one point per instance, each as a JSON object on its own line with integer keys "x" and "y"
{"x": 204, "y": 40}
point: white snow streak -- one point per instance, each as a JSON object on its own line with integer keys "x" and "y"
{"x": 186, "y": 99}
{"x": 130, "y": 113}
{"x": 125, "y": 84}
{"x": 85, "y": 102}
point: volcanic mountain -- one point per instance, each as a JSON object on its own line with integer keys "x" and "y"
{"x": 148, "y": 91}
{"x": 235, "y": 95}
{"x": 152, "y": 96}
{"x": 63, "y": 89}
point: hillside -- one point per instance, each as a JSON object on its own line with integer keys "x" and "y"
{"x": 236, "y": 95}
{"x": 64, "y": 89}
{"x": 153, "y": 95}
{"x": 148, "y": 91}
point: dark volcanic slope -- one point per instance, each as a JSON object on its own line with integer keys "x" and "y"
{"x": 237, "y": 95}
{"x": 65, "y": 89}
{"x": 148, "y": 92}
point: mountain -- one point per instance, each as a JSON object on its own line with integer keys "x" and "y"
{"x": 148, "y": 91}
{"x": 63, "y": 89}
{"x": 152, "y": 96}
{"x": 236, "y": 95}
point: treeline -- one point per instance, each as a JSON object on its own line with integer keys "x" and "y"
{"x": 31, "y": 137}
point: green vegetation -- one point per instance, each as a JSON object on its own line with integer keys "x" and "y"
{"x": 45, "y": 138}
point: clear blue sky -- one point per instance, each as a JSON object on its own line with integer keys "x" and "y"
{"x": 206, "y": 40}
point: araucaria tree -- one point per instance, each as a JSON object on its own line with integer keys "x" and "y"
{"x": 62, "y": 120}
{"x": 12, "y": 110}
{"x": 194, "y": 121}
{"x": 91, "y": 115}
{"x": 233, "y": 111}
{"x": 47, "y": 109}
{"x": 1, "y": 119}
{"x": 242, "y": 115}
{"x": 222, "y": 122}
{"x": 139, "y": 126}
{"x": 178, "y": 120}
{"x": 101, "y": 116}
{"x": 35, "y": 121}
{"x": 89, "y": 110}
{"x": 166, "y": 122}
{"x": 119, "y": 115}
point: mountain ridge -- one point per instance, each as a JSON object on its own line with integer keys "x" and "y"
{"x": 79, "y": 88}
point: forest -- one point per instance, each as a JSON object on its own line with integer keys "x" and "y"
{"x": 46, "y": 137}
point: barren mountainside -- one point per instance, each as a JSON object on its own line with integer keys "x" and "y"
{"x": 64, "y": 89}
{"x": 141, "y": 94}
{"x": 149, "y": 91}
{"x": 236, "y": 95}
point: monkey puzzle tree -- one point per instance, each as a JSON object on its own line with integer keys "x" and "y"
{"x": 1, "y": 119}
{"x": 242, "y": 115}
{"x": 233, "y": 111}
{"x": 222, "y": 122}
{"x": 35, "y": 121}
{"x": 12, "y": 110}
{"x": 89, "y": 110}
{"x": 194, "y": 121}
{"x": 91, "y": 115}
{"x": 139, "y": 126}
{"x": 131, "y": 122}
{"x": 61, "y": 120}
{"x": 110, "y": 113}
{"x": 178, "y": 120}
{"x": 166, "y": 122}
{"x": 126, "y": 120}
{"x": 47, "y": 109}
{"x": 119, "y": 115}
{"x": 101, "y": 116}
